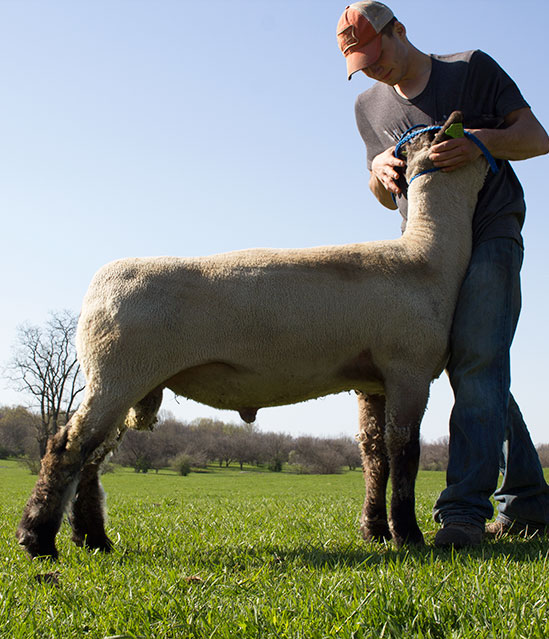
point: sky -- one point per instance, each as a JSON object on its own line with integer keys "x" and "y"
{"x": 163, "y": 127}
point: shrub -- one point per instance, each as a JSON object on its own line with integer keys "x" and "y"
{"x": 142, "y": 464}
{"x": 182, "y": 464}
{"x": 275, "y": 465}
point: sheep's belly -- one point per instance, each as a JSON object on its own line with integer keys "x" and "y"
{"x": 225, "y": 386}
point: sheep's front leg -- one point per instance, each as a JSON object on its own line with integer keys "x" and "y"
{"x": 404, "y": 410}
{"x": 375, "y": 466}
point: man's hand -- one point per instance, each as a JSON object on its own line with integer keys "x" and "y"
{"x": 453, "y": 154}
{"x": 521, "y": 138}
{"x": 384, "y": 169}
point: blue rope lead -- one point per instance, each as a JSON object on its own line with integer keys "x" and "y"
{"x": 423, "y": 173}
{"x": 414, "y": 131}
{"x": 489, "y": 157}
{"x": 410, "y": 134}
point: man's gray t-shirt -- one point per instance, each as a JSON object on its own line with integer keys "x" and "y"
{"x": 471, "y": 82}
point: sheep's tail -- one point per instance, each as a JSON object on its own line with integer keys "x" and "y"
{"x": 143, "y": 415}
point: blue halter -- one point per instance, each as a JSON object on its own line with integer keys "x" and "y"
{"x": 413, "y": 132}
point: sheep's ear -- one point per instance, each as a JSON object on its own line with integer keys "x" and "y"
{"x": 455, "y": 118}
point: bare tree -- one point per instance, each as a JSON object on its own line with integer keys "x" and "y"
{"x": 45, "y": 366}
{"x": 138, "y": 450}
{"x": 434, "y": 455}
{"x": 315, "y": 455}
{"x": 347, "y": 447}
{"x": 274, "y": 449}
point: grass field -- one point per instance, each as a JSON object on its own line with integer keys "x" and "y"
{"x": 251, "y": 554}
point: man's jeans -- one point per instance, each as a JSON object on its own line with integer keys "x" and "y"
{"x": 487, "y": 431}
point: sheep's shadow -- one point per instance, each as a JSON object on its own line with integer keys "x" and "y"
{"x": 317, "y": 555}
{"x": 515, "y": 551}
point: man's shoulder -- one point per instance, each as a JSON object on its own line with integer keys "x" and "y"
{"x": 476, "y": 57}
{"x": 462, "y": 56}
{"x": 376, "y": 93}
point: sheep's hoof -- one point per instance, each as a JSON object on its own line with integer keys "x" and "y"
{"x": 36, "y": 546}
{"x": 94, "y": 542}
{"x": 375, "y": 530}
{"x": 412, "y": 538}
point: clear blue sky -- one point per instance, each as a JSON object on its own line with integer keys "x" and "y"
{"x": 162, "y": 127}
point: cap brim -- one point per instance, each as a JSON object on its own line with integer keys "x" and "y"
{"x": 363, "y": 57}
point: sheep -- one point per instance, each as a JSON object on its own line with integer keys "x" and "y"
{"x": 256, "y": 328}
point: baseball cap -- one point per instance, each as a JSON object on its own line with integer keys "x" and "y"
{"x": 358, "y": 33}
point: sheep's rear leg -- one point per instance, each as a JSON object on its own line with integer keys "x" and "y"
{"x": 375, "y": 465}
{"x": 59, "y": 475}
{"x": 404, "y": 410}
{"x": 87, "y": 514}
{"x": 55, "y": 486}
{"x": 87, "y": 511}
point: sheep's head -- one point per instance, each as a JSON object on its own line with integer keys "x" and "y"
{"x": 418, "y": 148}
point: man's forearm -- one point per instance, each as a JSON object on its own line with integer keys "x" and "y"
{"x": 523, "y": 137}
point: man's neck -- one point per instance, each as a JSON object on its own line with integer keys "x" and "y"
{"x": 417, "y": 78}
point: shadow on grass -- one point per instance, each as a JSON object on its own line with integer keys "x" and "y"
{"x": 329, "y": 556}
{"x": 517, "y": 552}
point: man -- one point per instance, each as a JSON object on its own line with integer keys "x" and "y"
{"x": 487, "y": 431}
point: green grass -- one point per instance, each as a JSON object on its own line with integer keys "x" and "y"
{"x": 241, "y": 555}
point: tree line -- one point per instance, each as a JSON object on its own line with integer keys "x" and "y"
{"x": 210, "y": 441}
{"x": 202, "y": 442}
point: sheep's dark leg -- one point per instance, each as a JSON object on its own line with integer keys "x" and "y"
{"x": 67, "y": 453}
{"x": 87, "y": 516}
{"x": 404, "y": 409}
{"x": 375, "y": 465}
{"x": 44, "y": 510}
{"x": 87, "y": 512}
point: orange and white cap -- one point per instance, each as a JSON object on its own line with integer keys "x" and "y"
{"x": 358, "y": 33}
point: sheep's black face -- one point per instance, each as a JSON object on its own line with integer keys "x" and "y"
{"x": 416, "y": 153}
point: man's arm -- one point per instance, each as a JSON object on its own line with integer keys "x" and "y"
{"x": 523, "y": 137}
{"x": 383, "y": 177}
